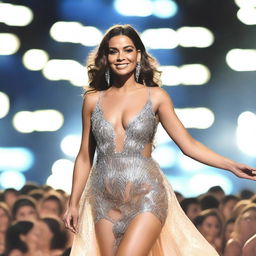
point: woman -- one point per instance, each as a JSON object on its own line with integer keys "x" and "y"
{"x": 126, "y": 194}
{"x": 209, "y": 222}
{"x": 244, "y": 228}
{"x": 22, "y": 239}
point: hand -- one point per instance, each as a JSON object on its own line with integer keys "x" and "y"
{"x": 70, "y": 219}
{"x": 244, "y": 171}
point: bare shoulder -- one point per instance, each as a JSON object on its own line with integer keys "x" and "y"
{"x": 90, "y": 98}
{"x": 159, "y": 95}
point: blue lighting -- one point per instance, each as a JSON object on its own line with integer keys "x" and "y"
{"x": 165, "y": 8}
{"x": 144, "y": 8}
{"x": 18, "y": 159}
{"x": 12, "y": 179}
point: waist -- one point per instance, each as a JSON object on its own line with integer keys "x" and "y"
{"x": 122, "y": 155}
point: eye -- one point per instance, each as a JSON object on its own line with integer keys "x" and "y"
{"x": 111, "y": 51}
{"x": 129, "y": 50}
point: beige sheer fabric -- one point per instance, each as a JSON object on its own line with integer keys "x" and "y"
{"x": 178, "y": 237}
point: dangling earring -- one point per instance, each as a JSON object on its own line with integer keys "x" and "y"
{"x": 107, "y": 76}
{"x": 137, "y": 72}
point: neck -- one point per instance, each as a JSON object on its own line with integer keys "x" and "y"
{"x": 125, "y": 82}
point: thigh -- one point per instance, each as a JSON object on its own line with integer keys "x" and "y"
{"x": 105, "y": 236}
{"x": 140, "y": 235}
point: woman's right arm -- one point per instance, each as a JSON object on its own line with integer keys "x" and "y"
{"x": 83, "y": 163}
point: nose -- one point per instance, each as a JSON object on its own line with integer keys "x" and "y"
{"x": 120, "y": 56}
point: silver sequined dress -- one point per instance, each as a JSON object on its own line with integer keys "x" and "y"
{"x": 126, "y": 181}
{"x": 124, "y": 184}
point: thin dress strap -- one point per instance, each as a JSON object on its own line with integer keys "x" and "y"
{"x": 149, "y": 93}
{"x": 100, "y": 94}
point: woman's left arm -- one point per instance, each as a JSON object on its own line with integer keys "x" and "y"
{"x": 191, "y": 147}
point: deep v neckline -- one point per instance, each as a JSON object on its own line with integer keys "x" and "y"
{"x": 131, "y": 121}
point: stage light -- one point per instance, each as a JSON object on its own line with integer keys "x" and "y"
{"x": 16, "y": 158}
{"x": 188, "y": 164}
{"x": 200, "y": 37}
{"x": 160, "y": 38}
{"x": 164, "y": 8}
{"x": 247, "y": 15}
{"x": 245, "y": 133}
{"x": 40, "y": 120}
{"x": 140, "y": 8}
{"x": 90, "y": 36}
{"x": 15, "y": 15}
{"x": 61, "y": 177}
{"x": 200, "y": 183}
{"x": 23, "y": 121}
{"x": 70, "y": 70}
{"x": 35, "y": 59}
{"x": 64, "y": 31}
{"x": 12, "y": 179}
{"x": 170, "y": 75}
{"x": 246, "y": 3}
{"x": 165, "y": 155}
{"x": 70, "y": 145}
{"x": 197, "y": 118}
{"x": 241, "y": 59}
{"x": 194, "y": 74}
{"x": 75, "y": 32}
{"x": 10, "y": 44}
{"x": 4, "y": 104}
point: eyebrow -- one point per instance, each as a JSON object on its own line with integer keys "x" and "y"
{"x": 127, "y": 46}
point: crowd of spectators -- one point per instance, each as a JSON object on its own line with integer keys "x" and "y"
{"x": 31, "y": 221}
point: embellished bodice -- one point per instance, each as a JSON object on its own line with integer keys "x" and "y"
{"x": 140, "y": 131}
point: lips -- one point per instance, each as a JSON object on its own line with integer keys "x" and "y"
{"x": 121, "y": 66}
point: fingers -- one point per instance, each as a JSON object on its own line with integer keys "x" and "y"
{"x": 70, "y": 222}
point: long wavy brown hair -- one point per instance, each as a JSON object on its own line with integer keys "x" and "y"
{"x": 97, "y": 63}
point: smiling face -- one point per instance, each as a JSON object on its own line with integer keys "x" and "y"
{"x": 122, "y": 56}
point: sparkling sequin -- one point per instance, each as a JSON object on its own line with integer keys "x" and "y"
{"x": 125, "y": 183}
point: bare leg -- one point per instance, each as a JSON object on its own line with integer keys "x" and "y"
{"x": 105, "y": 236}
{"x": 140, "y": 235}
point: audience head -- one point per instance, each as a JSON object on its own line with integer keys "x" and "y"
{"x": 245, "y": 225}
{"x": 52, "y": 203}
{"x": 10, "y": 196}
{"x": 228, "y": 229}
{"x": 25, "y": 208}
{"x": 227, "y": 205}
{"x": 53, "y": 234}
{"x": 28, "y": 187}
{"x": 191, "y": 207}
{"x": 209, "y": 223}
{"x": 246, "y": 194}
{"x": 22, "y": 236}
{"x": 208, "y": 201}
{"x": 5, "y": 217}
{"x": 217, "y": 191}
{"x": 239, "y": 207}
{"x": 37, "y": 194}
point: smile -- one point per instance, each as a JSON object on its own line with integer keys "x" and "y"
{"x": 121, "y": 66}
